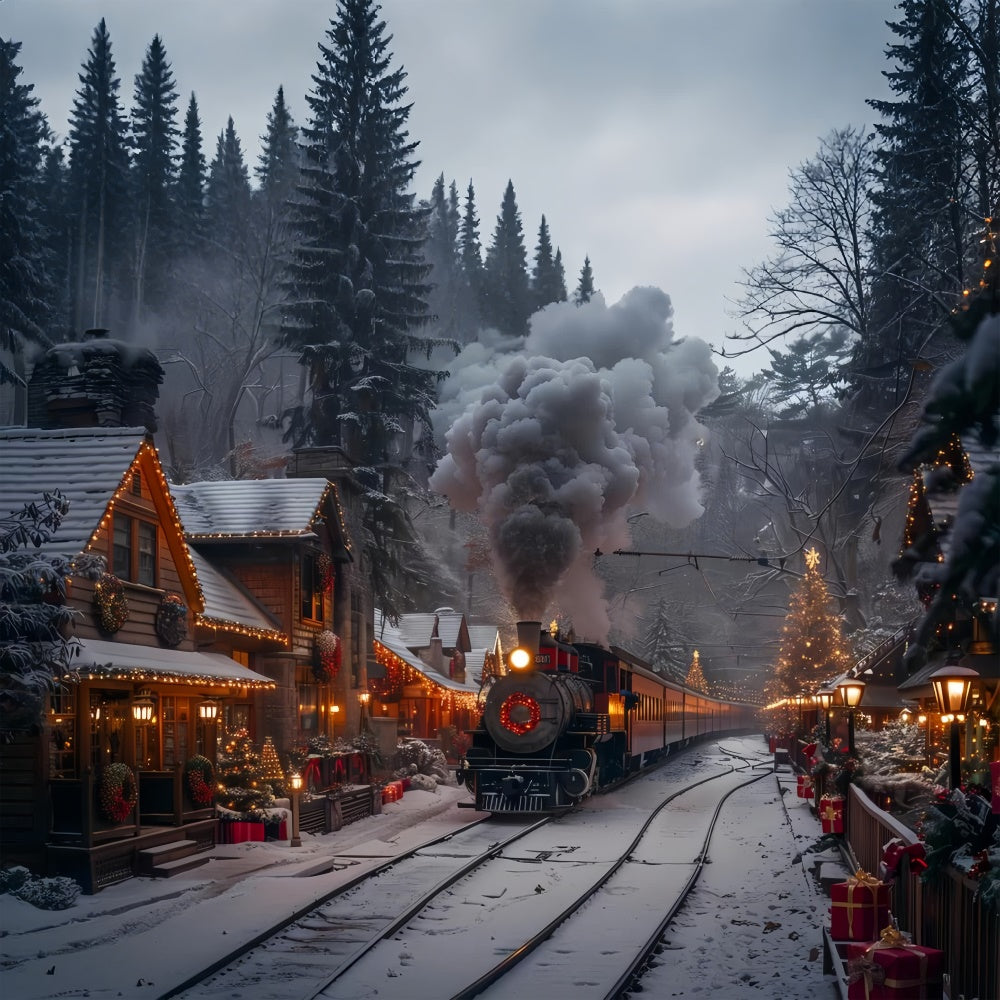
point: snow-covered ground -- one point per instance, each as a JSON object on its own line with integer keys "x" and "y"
{"x": 751, "y": 930}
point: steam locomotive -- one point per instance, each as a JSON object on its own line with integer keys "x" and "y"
{"x": 573, "y": 719}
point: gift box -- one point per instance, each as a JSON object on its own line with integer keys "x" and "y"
{"x": 804, "y": 786}
{"x": 860, "y": 908}
{"x": 893, "y": 969}
{"x": 392, "y": 792}
{"x": 831, "y": 813}
{"x": 239, "y": 831}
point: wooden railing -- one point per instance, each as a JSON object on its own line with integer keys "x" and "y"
{"x": 940, "y": 913}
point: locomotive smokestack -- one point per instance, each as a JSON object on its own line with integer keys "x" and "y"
{"x": 529, "y": 635}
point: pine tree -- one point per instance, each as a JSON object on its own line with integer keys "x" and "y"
{"x": 240, "y": 775}
{"x": 99, "y": 181}
{"x": 505, "y": 301}
{"x": 34, "y": 655}
{"x": 190, "y": 194}
{"x": 228, "y": 192}
{"x": 920, "y": 240}
{"x": 546, "y": 283}
{"x": 812, "y": 647}
{"x": 471, "y": 251}
{"x": 585, "y": 287}
{"x": 695, "y": 678}
{"x": 25, "y": 288}
{"x": 560, "y": 277}
{"x": 278, "y": 166}
{"x": 154, "y": 142}
{"x": 356, "y": 285}
{"x": 662, "y": 645}
{"x": 441, "y": 252}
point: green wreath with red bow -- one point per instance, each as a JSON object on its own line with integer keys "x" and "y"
{"x": 118, "y": 793}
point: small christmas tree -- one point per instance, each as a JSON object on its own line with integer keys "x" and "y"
{"x": 812, "y": 646}
{"x": 270, "y": 764}
{"x": 241, "y": 778}
{"x": 695, "y": 677}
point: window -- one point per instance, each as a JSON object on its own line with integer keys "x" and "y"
{"x": 134, "y": 550}
{"x": 312, "y": 589}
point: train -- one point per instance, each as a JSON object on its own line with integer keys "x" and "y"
{"x": 571, "y": 719}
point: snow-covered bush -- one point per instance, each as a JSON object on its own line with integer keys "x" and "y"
{"x": 11, "y": 879}
{"x": 416, "y": 757}
{"x": 57, "y": 893}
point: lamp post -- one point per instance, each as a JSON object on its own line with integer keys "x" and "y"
{"x": 851, "y": 692}
{"x": 825, "y": 698}
{"x": 296, "y": 782}
{"x": 952, "y": 685}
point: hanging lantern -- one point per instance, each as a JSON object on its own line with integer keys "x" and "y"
{"x": 143, "y": 707}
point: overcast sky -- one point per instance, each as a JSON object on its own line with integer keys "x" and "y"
{"x": 655, "y": 135}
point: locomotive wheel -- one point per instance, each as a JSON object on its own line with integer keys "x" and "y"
{"x": 574, "y": 782}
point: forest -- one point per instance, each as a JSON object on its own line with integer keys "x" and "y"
{"x": 315, "y": 298}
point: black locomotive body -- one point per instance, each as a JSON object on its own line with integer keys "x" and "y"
{"x": 576, "y": 720}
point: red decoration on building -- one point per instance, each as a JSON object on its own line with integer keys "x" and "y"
{"x": 328, "y": 656}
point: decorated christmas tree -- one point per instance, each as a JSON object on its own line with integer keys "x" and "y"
{"x": 695, "y": 677}
{"x": 812, "y": 645}
{"x": 270, "y": 764}
{"x": 242, "y": 784}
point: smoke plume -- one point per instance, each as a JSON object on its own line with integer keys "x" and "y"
{"x": 591, "y": 419}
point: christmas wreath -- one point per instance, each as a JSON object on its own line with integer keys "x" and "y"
{"x": 200, "y": 778}
{"x": 110, "y": 603}
{"x": 328, "y": 656}
{"x": 118, "y": 793}
{"x": 171, "y": 620}
{"x": 522, "y": 724}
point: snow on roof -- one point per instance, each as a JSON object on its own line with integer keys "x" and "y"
{"x": 396, "y": 640}
{"x": 225, "y": 601}
{"x": 86, "y": 464}
{"x": 245, "y": 508}
{"x": 483, "y": 637}
{"x": 99, "y": 656}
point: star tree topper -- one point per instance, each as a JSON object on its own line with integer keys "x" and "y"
{"x": 812, "y": 558}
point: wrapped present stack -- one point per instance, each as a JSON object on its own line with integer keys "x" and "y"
{"x": 860, "y": 908}
{"x": 893, "y": 969}
{"x": 831, "y": 813}
{"x": 392, "y": 792}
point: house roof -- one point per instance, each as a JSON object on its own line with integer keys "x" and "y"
{"x": 415, "y": 627}
{"x": 254, "y": 508}
{"x": 99, "y": 657}
{"x": 226, "y": 602}
{"x": 86, "y": 464}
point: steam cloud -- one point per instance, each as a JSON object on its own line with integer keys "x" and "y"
{"x": 592, "y": 418}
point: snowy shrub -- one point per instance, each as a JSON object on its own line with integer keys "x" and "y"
{"x": 423, "y": 782}
{"x": 57, "y": 893}
{"x": 11, "y": 879}
{"x": 416, "y": 757}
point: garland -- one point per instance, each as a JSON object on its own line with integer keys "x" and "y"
{"x": 520, "y": 700}
{"x": 171, "y": 620}
{"x": 328, "y": 656}
{"x": 200, "y": 777}
{"x": 324, "y": 564}
{"x": 110, "y": 603}
{"x": 118, "y": 793}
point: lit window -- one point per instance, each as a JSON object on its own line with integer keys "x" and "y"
{"x": 133, "y": 554}
{"x": 312, "y": 589}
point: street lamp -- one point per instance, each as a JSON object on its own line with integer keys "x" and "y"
{"x": 951, "y": 691}
{"x": 825, "y": 698}
{"x": 296, "y": 782}
{"x": 851, "y": 691}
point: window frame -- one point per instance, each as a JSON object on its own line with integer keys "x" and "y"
{"x": 133, "y": 549}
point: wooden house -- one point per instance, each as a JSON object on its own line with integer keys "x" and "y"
{"x": 430, "y": 674}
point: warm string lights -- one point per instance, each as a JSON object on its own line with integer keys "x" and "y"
{"x": 138, "y": 675}
{"x": 235, "y": 628}
{"x": 400, "y": 674}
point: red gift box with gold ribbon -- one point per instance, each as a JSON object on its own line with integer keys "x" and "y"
{"x": 804, "y": 786}
{"x": 893, "y": 969}
{"x": 831, "y": 813}
{"x": 860, "y": 908}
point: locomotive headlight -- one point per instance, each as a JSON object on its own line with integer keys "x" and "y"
{"x": 519, "y": 658}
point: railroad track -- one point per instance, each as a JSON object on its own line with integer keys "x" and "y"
{"x": 492, "y": 911}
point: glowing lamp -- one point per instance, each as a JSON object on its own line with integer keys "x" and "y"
{"x": 825, "y": 698}
{"x": 952, "y": 686}
{"x": 851, "y": 692}
{"x": 296, "y": 781}
{"x": 519, "y": 658}
{"x": 143, "y": 706}
{"x": 208, "y": 711}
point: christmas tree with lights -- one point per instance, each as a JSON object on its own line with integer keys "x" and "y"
{"x": 242, "y": 785}
{"x": 812, "y": 645}
{"x": 695, "y": 677}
